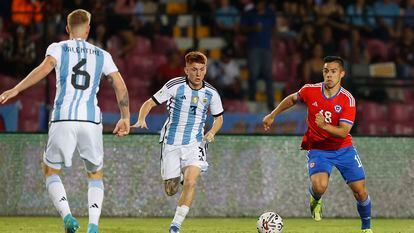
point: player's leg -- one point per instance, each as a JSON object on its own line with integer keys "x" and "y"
{"x": 95, "y": 198}
{"x": 170, "y": 168}
{"x": 320, "y": 168}
{"x": 90, "y": 147}
{"x": 191, "y": 174}
{"x": 193, "y": 161}
{"x": 59, "y": 150}
{"x": 353, "y": 173}
{"x": 363, "y": 203}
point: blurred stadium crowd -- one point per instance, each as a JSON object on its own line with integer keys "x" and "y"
{"x": 287, "y": 38}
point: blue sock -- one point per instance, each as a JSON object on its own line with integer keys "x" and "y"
{"x": 314, "y": 195}
{"x": 364, "y": 210}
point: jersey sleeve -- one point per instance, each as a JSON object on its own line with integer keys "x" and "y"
{"x": 303, "y": 94}
{"x": 53, "y": 50}
{"x": 348, "y": 112}
{"x": 216, "y": 107}
{"x": 109, "y": 65}
{"x": 162, "y": 95}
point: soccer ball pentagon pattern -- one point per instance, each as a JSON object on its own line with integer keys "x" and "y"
{"x": 269, "y": 222}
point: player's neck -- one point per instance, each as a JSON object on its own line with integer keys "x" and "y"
{"x": 74, "y": 36}
{"x": 330, "y": 92}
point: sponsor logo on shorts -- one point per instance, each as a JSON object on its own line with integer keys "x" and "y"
{"x": 311, "y": 165}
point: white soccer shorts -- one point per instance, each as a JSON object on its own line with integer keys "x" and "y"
{"x": 174, "y": 158}
{"x": 68, "y": 137}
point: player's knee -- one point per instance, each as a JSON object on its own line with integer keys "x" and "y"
{"x": 48, "y": 171}
{"x": 97, "y": 175}
{"x": 361, "y": 195}
{"x": 171, "y": 186}
{"x": 189, "y": 183}
{"x": 320, "y": 187}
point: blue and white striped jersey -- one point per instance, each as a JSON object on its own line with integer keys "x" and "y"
{"x": 187, "y": 110}
{"x": 78, "y": 69}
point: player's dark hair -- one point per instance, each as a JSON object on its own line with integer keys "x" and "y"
{"x": 336, "y": 59}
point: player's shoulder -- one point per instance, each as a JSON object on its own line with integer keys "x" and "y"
{"x": 175, "y": 82}
{"x": 347, "y": 96}
{"x": 311, "y": 87}
{"x": 210, "y": 87}
{"x": 98, "y": 50}
{"x": 58, "y": 44}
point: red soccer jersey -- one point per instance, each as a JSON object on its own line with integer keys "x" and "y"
{"x": 339, "y": 108}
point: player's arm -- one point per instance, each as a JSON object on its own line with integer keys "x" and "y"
{"x": 286, "y": 103}
{"x": 218, "y": 122}
{"x": 121, "y": 92}
{"x": 143, "y": 113}
{"x": 37, "y": 74}
{"x": 340, "y": 131}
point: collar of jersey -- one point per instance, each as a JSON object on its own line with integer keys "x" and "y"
{"x": 323, "y": 93}
{"x": 188, "y": 84}
{"x": 77, "y": 39}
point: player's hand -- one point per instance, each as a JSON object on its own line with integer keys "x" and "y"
{"x": 208, "y": 137}
{"x": 268, "y": 121}
{"x": 122, "y": 127}
{"x": 320, "y": 120}
{"x": 8, "y": 95}
{"x": 140, "y": 124}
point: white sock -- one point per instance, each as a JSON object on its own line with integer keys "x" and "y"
{"x": 95, "y": 198}
{"x": 58, "y": 194}
{"x": 179, "y": 216}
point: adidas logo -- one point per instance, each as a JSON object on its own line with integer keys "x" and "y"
{"x": 94, "y": 206}
{"x": 315, "y": 104}
{"x": 183, "y": 97}
{"x": 63, "y": 199}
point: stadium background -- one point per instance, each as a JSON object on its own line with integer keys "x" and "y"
{"x": 147, "y": 40}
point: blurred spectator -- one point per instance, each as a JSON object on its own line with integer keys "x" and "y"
{"x": 328, "y": 42}
{"x": 20, "y": 53}
{"x": 308, "y": 11}
{"x": 404, "y": 54}
{"x": 120, "y": 22}
{"x": 386, "y": 12}
{"x": 225, "y": 74}
{"x": 307, "y": 40}
{"x": 259, "y": 25}
{"x": 226, "y": 20}
{"x": 145, "y": 18}
{"x": 312, "y": 72}
{"x": 173, "y": 68}
{"x": 99, "y": 34}
{"x": 361, "y": 16}
{"x": 332, "y": 13}
{"x": 409, "y": 13}
{"x": 354, "y": 50}
{"x": 291, "y": 11}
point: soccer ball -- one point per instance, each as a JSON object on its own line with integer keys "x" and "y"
{"x": 269, "y": 222}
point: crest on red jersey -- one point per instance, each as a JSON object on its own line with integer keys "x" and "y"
{"x": 338, "y": 108}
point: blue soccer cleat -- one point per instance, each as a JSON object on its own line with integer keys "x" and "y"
{"x": 92, "y": 228}
{"x": 71, "y": 224}
{"x": 174, "y": 229}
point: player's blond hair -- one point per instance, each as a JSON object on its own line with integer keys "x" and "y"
{"x": 78, "y": 18}
{"x": 195, "y": 57}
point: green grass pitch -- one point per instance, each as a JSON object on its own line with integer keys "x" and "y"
{"x": 202, "y": 225}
